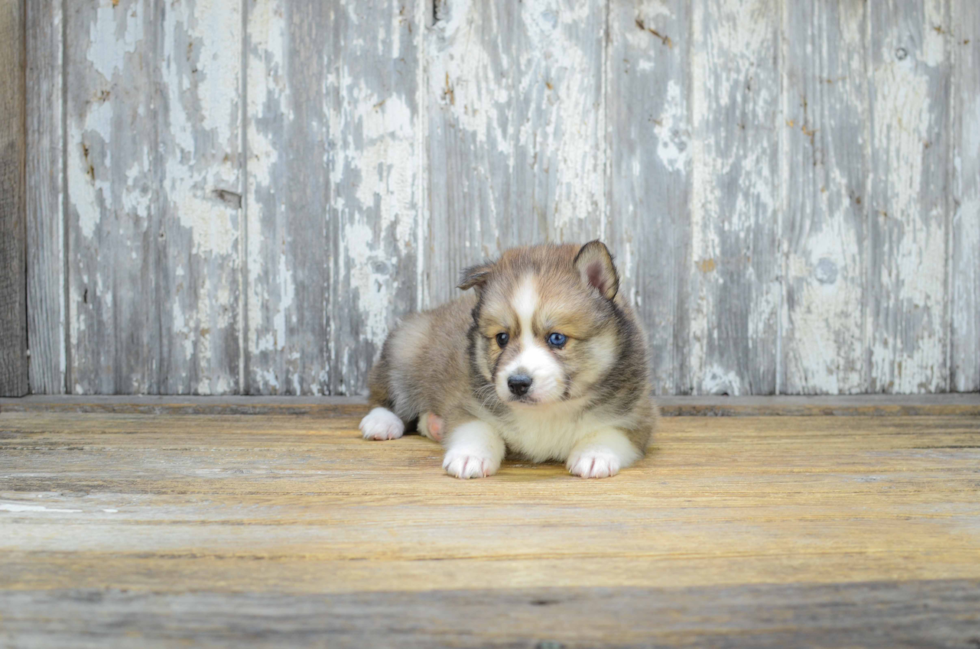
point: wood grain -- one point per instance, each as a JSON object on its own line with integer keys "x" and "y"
{"x": 375, "y": 182}
{"x": 46, "y": 197}
{"x": 334, "y": 189}
{"x": 728, "y": 521}
{"x": 153, "y": 172}
{"x": 931, "y": 405}
{"x": 735, "y": 287}
{"x": 907, "y": 322}
{"x": 13, "y": 235}
{"x": 790, "y": 188}
{"x": 650, "y": 134}
{"x": 825, "y": 141}
{"x": 516, "y": 126}
{"x": 964, "y": 261}
{"x": 875, "y": 614}
{"x": 289, "y": 257}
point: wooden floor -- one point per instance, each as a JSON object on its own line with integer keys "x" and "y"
{"x": 174, "y": 529}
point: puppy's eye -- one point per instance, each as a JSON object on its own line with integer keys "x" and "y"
{"x": 502, "y": 339}
{"x": 557, "y": 340}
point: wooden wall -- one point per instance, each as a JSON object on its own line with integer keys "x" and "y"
{"x": 243, "y": 196}
{"x": 13, "y": 247}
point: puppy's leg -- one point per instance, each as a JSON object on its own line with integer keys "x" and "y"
{"x": 602, "y": 454}
{"x": 431, "y": 425}
{"x": 382, "y": 424}
{"x": 473, "y": 450}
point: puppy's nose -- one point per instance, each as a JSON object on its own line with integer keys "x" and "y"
{"x": 519, "y": 384}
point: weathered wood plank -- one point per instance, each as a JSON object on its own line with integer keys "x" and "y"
{"x": 964, "y": 262}
{"x": 825, "y": 187}
{"x": 516, "y": 131}
{"x": 200, "y": 200}
{"x": 334, "y": 189}
{"x": 376, "y": 154}
{"x": 46, "y": 197}
{"x": 287, "y": 200}
{"x": 649, "y": 130}
{"x": 303, "y": 506}
{"x": 735, "y": 286}
{"x": 154, "y": 196}
{"x": 13, "y": 235}
{"x": 907, "y": 324}
{"x": 113, "y": 223}
{"x": 929, "y": 613}
{"x": 934, "y": 405}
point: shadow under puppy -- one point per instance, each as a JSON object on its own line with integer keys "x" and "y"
{"x": 544, "y": 358}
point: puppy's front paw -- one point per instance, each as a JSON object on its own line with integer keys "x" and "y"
{"x": 469, "y": 463}
{"x": 594, "y": 462}
{"x": 382, "y": 424}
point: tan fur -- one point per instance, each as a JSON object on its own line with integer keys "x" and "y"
{"x": 443, "y": 361}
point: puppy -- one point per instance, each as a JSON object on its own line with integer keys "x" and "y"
{"x": 544, "y": 358}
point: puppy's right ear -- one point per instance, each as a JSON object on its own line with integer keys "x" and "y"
{"x": 475, "y": 276}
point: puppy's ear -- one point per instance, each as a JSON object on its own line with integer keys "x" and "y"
{"x": 595, "y": 264}
{"x": 475, "y": 276}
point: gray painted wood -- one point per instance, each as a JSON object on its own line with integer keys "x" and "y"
{"x": 373, "y": 96}
{"x": 735, "y": 290}
{"x": 964, "y": 260}
{"x": 334, "y": 189}
{"x": 825, "y": 133}
{"x": 45, "y": 197}
{"x": 515, "y": 131}
{"x": 650, "y": 142}
{"x": 287, "y": 199}
{"x": 154, "y": 189}
{"x": 254, "y": 192}
{"x": 907, "y": 323}
{"x": 13, "y": 248}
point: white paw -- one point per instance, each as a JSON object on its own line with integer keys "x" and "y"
{"x": 469, "y": 463}
{"x": 594, "y": 462}
{"x": 382, "y": 423}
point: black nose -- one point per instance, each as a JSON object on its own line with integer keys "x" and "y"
{"x": 519, "y": 384}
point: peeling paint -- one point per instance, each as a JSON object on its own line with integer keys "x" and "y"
{"x": 790, "y": 194}
{"x": 111, "y": 39}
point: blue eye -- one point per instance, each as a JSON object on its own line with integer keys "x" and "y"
{"x": 502, "y": 339}
{"x": 557, "y": 340}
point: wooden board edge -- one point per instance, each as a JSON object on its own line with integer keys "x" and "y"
{"x": 953, "y": 405}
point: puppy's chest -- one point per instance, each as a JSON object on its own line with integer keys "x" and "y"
{"x": 546, "y": 436}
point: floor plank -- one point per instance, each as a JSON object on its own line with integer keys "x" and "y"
{"x": 289, "y": 529}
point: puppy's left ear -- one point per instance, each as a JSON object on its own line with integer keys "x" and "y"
{"x": 475, "y": 276}
{"x": 595, "y": 265}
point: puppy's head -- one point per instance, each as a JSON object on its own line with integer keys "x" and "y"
{"x": 545, "y": 325}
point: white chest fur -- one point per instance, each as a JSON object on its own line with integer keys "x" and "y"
{"x": 547, "y": 432}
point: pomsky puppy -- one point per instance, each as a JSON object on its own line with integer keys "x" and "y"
{"x": 545, "y": 358}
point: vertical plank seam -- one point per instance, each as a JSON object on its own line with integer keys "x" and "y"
{"x": 157, "y": 46}
{"x": 783, "y": 195}
{"x": 869, "y": 208}
{"x": 687, "y": 376}
{"x": 949, "y": 198}
{"x": 243, "y": 283}
{"x": 26, "y": 352}
{"x": 683, "y": 383}
{"x": 607, "y": 190}
{"x": 425, "y": 13}
{"x": 65, "y": 202}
